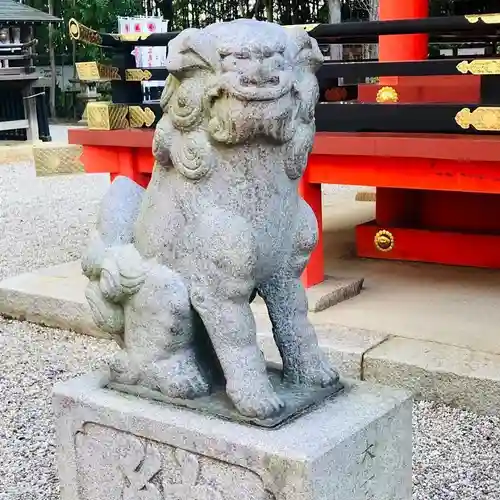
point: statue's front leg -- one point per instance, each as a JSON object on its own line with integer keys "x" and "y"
{"x": 222, "y": 281}
{"x": 303, "y": 360}
{"x": 286, "y": 300}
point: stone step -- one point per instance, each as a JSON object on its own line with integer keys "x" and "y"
{"x": 454, "y": 375}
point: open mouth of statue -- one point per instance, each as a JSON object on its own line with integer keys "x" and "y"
{"x": 261, "y": 88}
{"x": 271, "y": 81}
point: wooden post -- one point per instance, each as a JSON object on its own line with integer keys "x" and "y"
{"x": 403, "y": 47}
{"x": 53, "y": 69}
{"x": 399, "y": 48}
{"x": 314, "y": 273}
{"x": 30, "y": 113}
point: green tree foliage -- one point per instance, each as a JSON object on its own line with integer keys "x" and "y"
{"x": 102, "y": 15}
{"x": 461, "y": 7}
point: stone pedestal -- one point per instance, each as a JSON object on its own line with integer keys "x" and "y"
{"x": 117, "y": 447}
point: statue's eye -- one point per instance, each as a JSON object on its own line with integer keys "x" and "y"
{"x": 223, "y": 53}
{"x": 242, "y": 54}
{"x": 267, "y": 53}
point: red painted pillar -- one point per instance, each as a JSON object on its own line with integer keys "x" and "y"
{"x": 403, "y": 47}
{"x": 314, "y": 272}
{"x": 398, "y": 48}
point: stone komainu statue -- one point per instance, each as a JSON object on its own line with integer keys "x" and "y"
{"x": 173, "y": 268}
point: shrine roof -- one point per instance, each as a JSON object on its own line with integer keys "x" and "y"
{"x": 12, "y": 11}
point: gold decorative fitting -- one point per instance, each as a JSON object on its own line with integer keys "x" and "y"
{"x": 138, "y": 117}
{"x": 387, "y": 95}
{"x": 480, "y": 67}
{"x": 57, "y": 159}
{"x": 94, "y": 71}
{"x": 137, "y": 75}
{"x": 133, "y": 37}
{"x": 80, "y": 32}
{"x": 483, "y": 119}
{"x": 306, "y": 27}
{"x": 107, "y": 116}
{"x": 485, "y": 18}
{"x": 384, "y": 241}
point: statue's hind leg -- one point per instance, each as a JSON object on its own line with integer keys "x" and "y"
{"x": 285, "y": 297}
{"x": 159, "y": 336}
{"x": 156, "y": 322}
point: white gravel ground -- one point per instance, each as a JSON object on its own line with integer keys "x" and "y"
{"x": 45, "y": 221}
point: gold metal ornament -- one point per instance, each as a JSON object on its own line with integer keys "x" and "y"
{"x": 57, "y": 159}
{"x": 483, "y": 119}
{"x": 485, "y": 18}
{"x": 140, "y": 117}
{"x": 107, "y": 116}
{"x": 387, "y": 95}
{"x": 137, "y": 75}
{"x": 384, "y": 241}
{"x": 80, "y": 32}
{"x": 480, "y": 67}
{"x": 133, "y": 37}
{"x": 306, "y": 27}
{"x": 87, "y": 71}
{"x": 109, "y": 72}
{"x": 94, "y": 71}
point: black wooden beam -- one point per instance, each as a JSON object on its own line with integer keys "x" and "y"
{"x": 385, "y": 118}
{"x": 408, "y": 118}
{"x": 429, "y": 25}
{"x": 363, "y": 69}
{"x": 490, "y": 90}
{"x": 122, "y": 91}
{"x": 350, "y": 32}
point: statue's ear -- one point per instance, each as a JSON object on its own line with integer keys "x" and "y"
{"x": 191, "y": 50}
{"x": 305, "y": 52}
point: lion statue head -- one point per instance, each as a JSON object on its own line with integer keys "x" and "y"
{"x": 233, "y": 83}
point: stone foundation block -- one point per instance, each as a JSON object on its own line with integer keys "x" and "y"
{"x": 117, "y": 447}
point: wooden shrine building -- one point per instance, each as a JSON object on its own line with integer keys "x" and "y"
{"x": 22, "y": 108}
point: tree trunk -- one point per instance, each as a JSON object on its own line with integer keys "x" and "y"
{"x": 270, "y": 10}
{"x": 373, "y": 47}
{"x": 52, "y": 57}
{"x": 334, "y": 17}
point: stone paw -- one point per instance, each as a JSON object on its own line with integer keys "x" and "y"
{"x": 123, "y": 273}
{"x": 107, "y": 316}
{"x": 123, "y": 370}
{"x": 180, "y": 377}
{"x": 255, "y": 398}
{"x": 315, "y": 370}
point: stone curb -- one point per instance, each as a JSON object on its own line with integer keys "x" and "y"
{"x": 448, "y": 374}
{"x": 453, "y": 375}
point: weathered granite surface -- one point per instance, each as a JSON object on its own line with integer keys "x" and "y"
{"x": 115, "y": 447}
{"x": 173, "y": 269}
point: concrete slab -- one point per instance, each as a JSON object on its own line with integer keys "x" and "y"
{"x": 451, "y": 305}
{"x": 456, "y": 375}
{"x": 452, "y": 375}
{"x": 454, "y": 306}
{"x": 54, "y": 296}
{"x": 329, "y": 293}
{"x": 332, "y": 291}
{"x": 345, "y": 347}
{"x": 441, "y": 322}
